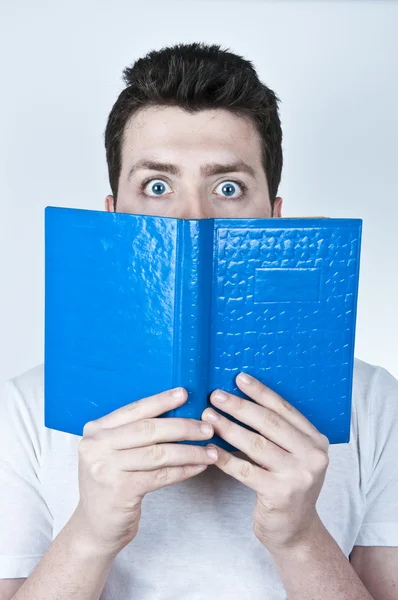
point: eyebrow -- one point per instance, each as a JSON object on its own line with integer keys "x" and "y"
{"x": 205, "y": 170}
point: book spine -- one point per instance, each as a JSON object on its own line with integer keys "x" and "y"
{"x": 194, "y": 261}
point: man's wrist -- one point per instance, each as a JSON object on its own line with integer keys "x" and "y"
{"x": 85, "y": 546}
{"x": 309, "y": 543}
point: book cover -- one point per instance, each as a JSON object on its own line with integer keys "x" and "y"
{"x": 136, "y": 304}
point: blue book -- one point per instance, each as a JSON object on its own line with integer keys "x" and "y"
{"x": 135, "y": 305}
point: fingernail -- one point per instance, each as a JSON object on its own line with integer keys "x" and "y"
{"x": 212, "y": 452}
{"x": 219, "y": 396}
{"x": 245, "y": 378}
{"x": 206, "y": 428}
{"x": 177, "y": 393}
{"x": 211, "y": 415}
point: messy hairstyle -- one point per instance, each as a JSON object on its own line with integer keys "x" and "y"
{"x": 195, "y": 77}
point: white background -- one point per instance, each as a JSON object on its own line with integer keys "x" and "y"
{"x": 333, "y": 64}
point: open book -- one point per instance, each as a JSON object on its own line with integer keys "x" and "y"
{"x": 135, "y": 305}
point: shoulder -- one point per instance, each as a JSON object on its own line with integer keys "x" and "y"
{"x": 364, "y": 373}
{"x": 22, "y": 416}
{"x": 370, "y": 381}
{"x": 32, "y": 379}
{"x": 375, "y": 407}
{"x": 22, "y": 401}
{"x": 28, "y": 387}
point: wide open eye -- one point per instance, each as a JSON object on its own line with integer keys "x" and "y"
{"x": 231, "y": 189}
{"x": 155, "y": 187}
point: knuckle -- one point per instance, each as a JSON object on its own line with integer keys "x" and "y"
{"x": 271, "y": 418}
{"x": 288, "y": 407}
{"x": 97, "y": 469}
{"x": 98, "y": 436}
{"x": 320, "y": 460}
{"x": 186, "y": 471}
{"x": 134, "y": 406}
{"x": 158, "y": 453}
{"x": 90, "y": 428}
{"x": 258, "y": 443}
{"x": 148, "y": 428}
{"x": 163, "y": 474}
{"x": 307, "y": 479}
{"x": 246, "y": 470}
{"x": 324, "y": 442}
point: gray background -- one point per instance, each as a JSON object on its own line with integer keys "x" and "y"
{"x": 333, "y": 64}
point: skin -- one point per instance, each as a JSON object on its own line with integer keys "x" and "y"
{"x": 169, "y": 135}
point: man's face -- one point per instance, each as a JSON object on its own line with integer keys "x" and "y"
{"x": 208, "y": 165}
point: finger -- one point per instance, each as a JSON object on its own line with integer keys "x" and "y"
{"x": 146, "y": 408}
{"x": 267, "y": 422}
{"x": 250, "y": 475}
{"x": 266, "y": 397}
{"x": 260, "y": 449}
{"x": 163, "y": 455}
{"x": 155, "y": 431}
{"x": 171, "y": 475}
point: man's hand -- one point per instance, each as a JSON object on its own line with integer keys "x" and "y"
{"x": 290, "y": 459}
{"x": 126, "y": 454}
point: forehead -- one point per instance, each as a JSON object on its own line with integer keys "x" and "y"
{"x": 212, "y": 133}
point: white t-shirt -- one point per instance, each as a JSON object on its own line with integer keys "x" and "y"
{"x": 196, "y": 538}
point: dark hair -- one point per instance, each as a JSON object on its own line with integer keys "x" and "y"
{"x": 195, "y": 77}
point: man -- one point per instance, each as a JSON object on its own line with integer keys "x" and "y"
{"x": 124, "y": 511}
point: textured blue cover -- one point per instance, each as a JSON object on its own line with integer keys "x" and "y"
{"x": 135, "y": 305}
